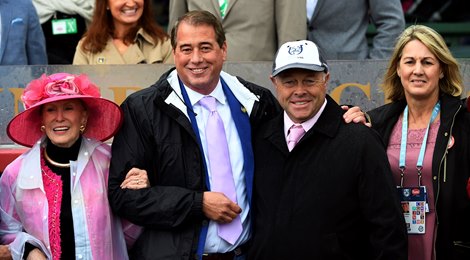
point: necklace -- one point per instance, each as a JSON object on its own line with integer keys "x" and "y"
{"x": 56, "y": 164}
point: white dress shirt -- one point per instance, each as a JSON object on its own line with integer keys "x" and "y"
{"x": 214, "y": 244}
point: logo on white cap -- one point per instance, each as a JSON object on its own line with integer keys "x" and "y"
{"x": 295, "y": 50}
{"x": 298, "y": 54}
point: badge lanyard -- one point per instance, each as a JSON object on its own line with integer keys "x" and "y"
{"x": 404, "y": 139}
{"x": 414, "y": 199}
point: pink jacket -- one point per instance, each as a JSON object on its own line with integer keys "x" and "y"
{"x": 23, "y": 206}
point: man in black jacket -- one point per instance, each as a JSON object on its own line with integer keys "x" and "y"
{"x": 163, "y": 134}
{"x": 323, "y": 188}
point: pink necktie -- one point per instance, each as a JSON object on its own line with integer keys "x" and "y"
{"x": 295, "y": 133}
{"x": 221, "y": 169}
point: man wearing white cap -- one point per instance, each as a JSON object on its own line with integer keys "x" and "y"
{"x": 323, "y": 188}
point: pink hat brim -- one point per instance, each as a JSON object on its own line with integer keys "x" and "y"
{"x": 104, "y": 119}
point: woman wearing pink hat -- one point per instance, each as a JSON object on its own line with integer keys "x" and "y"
{"x": 53, "y": 198}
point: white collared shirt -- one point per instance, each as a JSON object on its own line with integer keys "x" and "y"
{"x": 214, "y": 244}
{"x": 307, "y": 125}
{"x": 311, "y": 4}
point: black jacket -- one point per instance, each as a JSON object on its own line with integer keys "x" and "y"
{"x": 450, "y": 171}
{"x": 157, "y": 136}
{"x": 331, "y": 197}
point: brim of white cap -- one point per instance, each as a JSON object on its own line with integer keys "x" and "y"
{"x": 312, "y": 67}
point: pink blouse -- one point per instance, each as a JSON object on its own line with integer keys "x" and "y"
{"x": 420, "y": 247}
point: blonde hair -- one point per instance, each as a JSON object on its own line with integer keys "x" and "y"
{"x": 451, "y": 83}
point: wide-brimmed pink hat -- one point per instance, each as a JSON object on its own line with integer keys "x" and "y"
{"x": 104, "y": 116}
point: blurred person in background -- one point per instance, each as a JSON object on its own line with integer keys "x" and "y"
{"x": 436, "y": 11}
{"x": 123, "y": 32}
{"x": 339, "y": 27}
{"x": 254, "y": 29}
{"x": 63, "y": 23}
{"x": 21, "y": 38}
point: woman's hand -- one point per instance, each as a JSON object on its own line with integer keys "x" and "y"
{"x": 136, "y": 179}
{"x": 36, "y": 254}
{"x": 5, "y": 253}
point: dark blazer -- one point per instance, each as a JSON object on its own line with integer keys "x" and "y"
{"x": 331, "y": 197}
{"x": 339, "y": 28}
{"x": 22, "y": 40}
{"x": 254, "y": 29}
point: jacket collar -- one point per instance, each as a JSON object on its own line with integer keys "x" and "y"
{"x": 389, "y": 112}
{"x": 449, "y": 105}
{"x": 143, "y": 35}
{"x": 327, "y": 125}
{"x": 385, "y": 117}
{"x": 241, "y": 93}
{"x": 30, "y": 176}
{"x": 330, "y": 120}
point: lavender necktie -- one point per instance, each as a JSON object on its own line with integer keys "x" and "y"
{"x": 221, "y": 169}
{"x": 295, "y": 133}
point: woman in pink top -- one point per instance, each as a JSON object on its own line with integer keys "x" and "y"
{"x": 53, "y": 198}
{"x": 426, "y": 128}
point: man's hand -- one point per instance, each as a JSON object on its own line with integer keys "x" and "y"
{"x": 216, "y": 206}
{"x": 354, "y": 114}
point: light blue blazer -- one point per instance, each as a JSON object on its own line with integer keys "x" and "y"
{"x": 22, "y": 40}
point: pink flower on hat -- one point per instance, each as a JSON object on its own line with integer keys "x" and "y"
{"x": 104, "y": 116}
{"x": 65, "y": 86}
{"x": 58, "y": 85}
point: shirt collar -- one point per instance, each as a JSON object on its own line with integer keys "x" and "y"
{"x": 217, "y": 93}
{"x": 307, "y": 125}
{"x": 144, "y": 35}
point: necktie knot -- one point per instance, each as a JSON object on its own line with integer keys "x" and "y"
{"x": 295, "y": 133}
{"x": 208, "y": 102}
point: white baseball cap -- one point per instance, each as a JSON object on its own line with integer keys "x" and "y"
{"x": 302, "y": 54}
